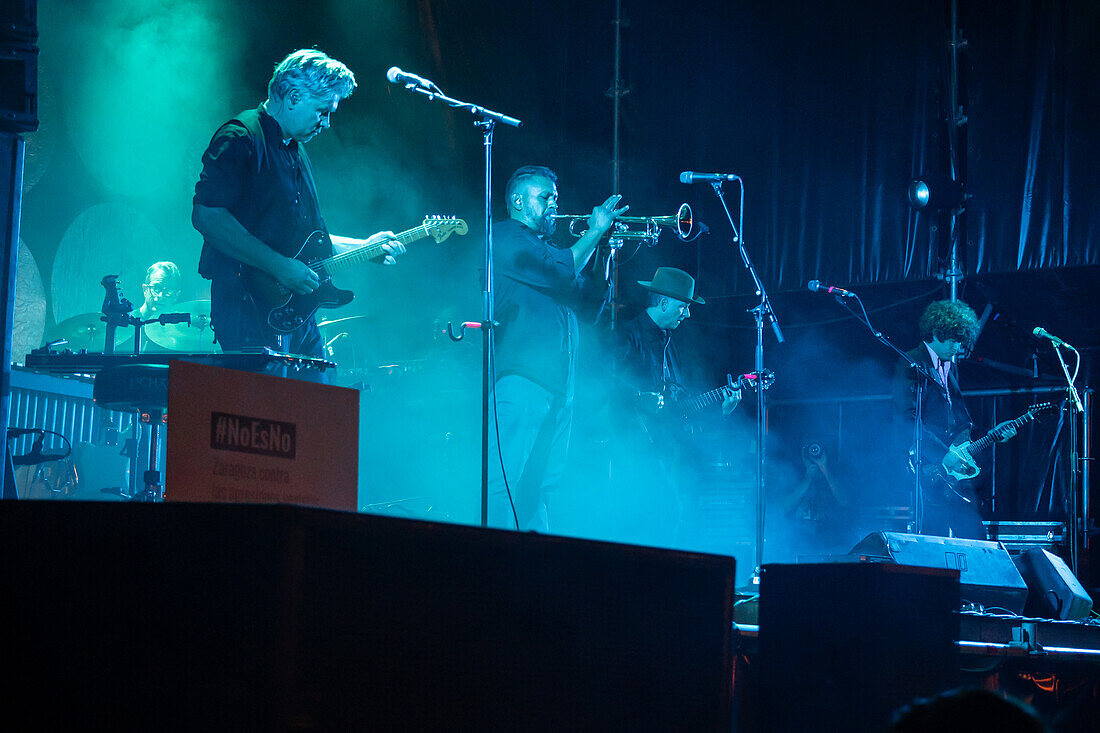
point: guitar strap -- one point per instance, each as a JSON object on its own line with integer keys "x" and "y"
{"x": 666, "y": 373}
{"x": 251, "y": 122}
{"x": 669, "y": 386}
{"x": 307, "y": 172}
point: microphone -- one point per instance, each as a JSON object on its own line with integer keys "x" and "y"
{"x": 17, "y": 432}
{"x": 397, "y": 76}
{"x": 692, "y": 177}
{"x": 1042, "y": 333}
{"x": 815, "y": 286}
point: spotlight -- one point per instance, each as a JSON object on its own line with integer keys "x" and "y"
{"x": 936, "y": 193}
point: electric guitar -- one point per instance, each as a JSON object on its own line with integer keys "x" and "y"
{"x": 662, "y": 417}
{"x": 941, "y": 483}
{"x": 286, "y": 311}
{"x": 687, "y": 408}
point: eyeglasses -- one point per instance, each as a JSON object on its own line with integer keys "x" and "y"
{"x": 158, "y": 289}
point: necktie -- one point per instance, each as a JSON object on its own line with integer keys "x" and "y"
{"x": 944, "y": 368}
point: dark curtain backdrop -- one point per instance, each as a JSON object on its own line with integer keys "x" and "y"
{"x": 1034, "y": 105}
{"x": 823, "y": 109}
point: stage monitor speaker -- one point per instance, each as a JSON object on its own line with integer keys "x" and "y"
{"x": 987, "y": 575}
{"x": 144, "y": 616}
{"x": 1054, "y": 592}
{"x": 18, "y": 66}
{"x": 843, "y": 645}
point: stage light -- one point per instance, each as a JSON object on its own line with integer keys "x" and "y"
{"x": 936, "y": 193}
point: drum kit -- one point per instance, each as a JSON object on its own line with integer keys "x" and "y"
{"x": 185, "y": 330}
{"x": 88, "y": 331}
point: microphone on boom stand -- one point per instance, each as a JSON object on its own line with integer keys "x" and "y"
{"x": 815, "y": 286}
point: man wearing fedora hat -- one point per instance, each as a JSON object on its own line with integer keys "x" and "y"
{"x": 648, "y": 369}
{"x": 648, "y": 357}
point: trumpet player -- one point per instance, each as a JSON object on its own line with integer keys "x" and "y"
{"x": 536, "y": 345}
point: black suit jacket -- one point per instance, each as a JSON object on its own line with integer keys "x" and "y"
{"x": 942, "y": 419}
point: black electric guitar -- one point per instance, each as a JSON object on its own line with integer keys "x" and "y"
{"x": 663, "y": 417}
{"x": 942, "y": 484}
{"x": 689, "y": 407}
{"x": 286, "y": 311}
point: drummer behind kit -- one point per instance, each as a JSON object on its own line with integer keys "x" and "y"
{"x": 185, "y": 329}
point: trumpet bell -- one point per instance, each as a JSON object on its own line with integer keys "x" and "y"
{"x": 682, "y": 221}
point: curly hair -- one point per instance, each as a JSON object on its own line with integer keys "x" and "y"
{"x": 949, "y": 320}
{"x": 312, "y": 71}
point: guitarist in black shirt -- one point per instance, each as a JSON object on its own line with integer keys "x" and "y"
{"x": 647, "y": 358}
{"x": 256, "y": 203}
{"x": 652, "y": 406}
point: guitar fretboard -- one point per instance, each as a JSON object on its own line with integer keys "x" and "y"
{"x": 989, "y": 439}
{"x": 692, "y": 406}
{"x": 353, "y": 257}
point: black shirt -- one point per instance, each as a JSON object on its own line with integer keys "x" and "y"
{"x": 536, "y": 280}
{"x": 647, "y": 358}
{"x": 266, "y": 184}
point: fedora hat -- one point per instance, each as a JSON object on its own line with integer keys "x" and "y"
{"x": 673, "y": 283}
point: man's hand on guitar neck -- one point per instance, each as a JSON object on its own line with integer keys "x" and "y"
{"x": 1003, "y": 432}
{"x": 731, "y": 398}
{"x": 390, "y": 245}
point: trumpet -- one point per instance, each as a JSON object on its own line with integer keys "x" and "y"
{"x": 621, "y": 230}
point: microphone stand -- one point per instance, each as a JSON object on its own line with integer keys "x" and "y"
{"x": 1074, "y": 406}
{"x": 485, "y": 120}
{"x": 924, "y": 378}
{"x": 760, "y": 312}
{"x": 116, "y": 313}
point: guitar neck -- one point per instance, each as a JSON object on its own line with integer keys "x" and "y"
{"x": 353, "y": 257}
{"x": 692, "y": 406}
{"x": 988, "y": 439}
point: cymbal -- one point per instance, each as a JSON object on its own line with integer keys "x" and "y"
{"x": 196, "y": 337}
{"x": 86, "y": 331}
{"x": 194, "y": 307}
{"x": 181, "y": 337}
